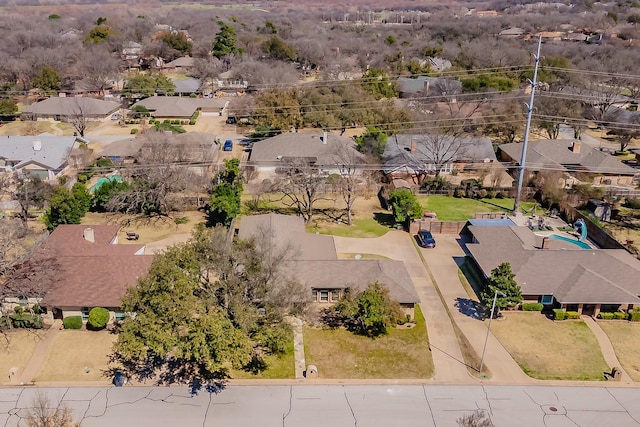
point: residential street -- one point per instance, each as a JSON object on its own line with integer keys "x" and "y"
{"x": 334, "y": 405}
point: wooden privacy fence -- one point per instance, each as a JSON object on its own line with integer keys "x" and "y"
{"x": 437, "y": 227}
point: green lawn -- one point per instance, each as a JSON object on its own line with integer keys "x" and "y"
{"x": 461, "y": 209}
{"x": 549, "y": 350}
{"x": 277, "y": 366}
{"x": 403, "y": 353}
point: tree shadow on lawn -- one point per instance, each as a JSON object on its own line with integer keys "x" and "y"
{"x": 385, "y": 219}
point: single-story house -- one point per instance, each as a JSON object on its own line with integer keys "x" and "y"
{"x": 176, "y": 107}
{"x": 324, "y": 150}
{"x": 187, "y": 86}
{"x": 557, "y": 272}
{"x": 58, "y": 108}
{"x": 424, "y": 85}
{"x": 315, "y": 264}
{"x": 411, "y": 156}
{"x": 85, "y": 268}
{"x": 44, "y": 155}
{"x": 179, "y": 65}
{"x": 194, "y": 147}
{"x": 571, "y": 157}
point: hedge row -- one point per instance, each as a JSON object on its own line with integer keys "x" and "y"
{"x": 532, "y": 306}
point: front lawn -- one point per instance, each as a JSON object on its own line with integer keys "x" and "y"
{"x": 77, "y": 355}
{"x": 549, "y": 350}
{"x": 16, "y": 349}
{"x": 460, "y": 209}
{"x": 282, "y": 366}
{"x": 625, "y": 337}
{"x": 337, "y": 353}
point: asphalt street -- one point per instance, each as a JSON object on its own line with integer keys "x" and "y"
{"x": 333, "y": 405}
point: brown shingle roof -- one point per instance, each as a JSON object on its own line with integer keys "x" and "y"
{"x": 90, "y": 274}
{"x": 571, "y": 274}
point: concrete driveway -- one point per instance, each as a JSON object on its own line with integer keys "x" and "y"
{"x": 443, "y": 261}
{"x": 447, "y": 357}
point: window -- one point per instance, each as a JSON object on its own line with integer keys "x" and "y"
{"x": 324, "y": 296}
{"x": 85, "y": 313}
{"x": 119, "y": 316}
{"x": 335, "y": 295}
{"x": 314, "y": 295}
{"x": 546, "y": 299}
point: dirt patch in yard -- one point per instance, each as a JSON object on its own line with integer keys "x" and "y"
{"x": 149, "y": 231}
{"x": 77, "y": 355}
{"x": 549, "y": 350}
{"x": 624, "y": 337}
{"x": 17, "y": 351}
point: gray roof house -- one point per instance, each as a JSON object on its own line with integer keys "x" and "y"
{"x": 181, "y": 107}
{"x": 44, "y": 155}
{"x": 60, "y": 107}
{"x": 570, "y": 156}
{"x": 318, "y": 148}
{"x": 315, "y": 264}
{"x": 555, "y": 271}
{"x": 423, "y": 85}
{"x": 409, "y": 156}
{"x": 186, "y": 86}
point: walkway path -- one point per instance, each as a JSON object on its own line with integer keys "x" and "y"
{"x": 605, "y": 347}
{"x": 443, "y": 263}
{"x": 447, "y": 357}
{"x": 298, "y": 347}
{"x": 40, "y": 354}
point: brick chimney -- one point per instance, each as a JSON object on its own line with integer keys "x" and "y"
{"x": 414, "y": 145}
{"x": 546, "y": 241}
{"x": 575, "y": 147}
{"x": 325, "y": 136}
{"x": 89, "y": 235}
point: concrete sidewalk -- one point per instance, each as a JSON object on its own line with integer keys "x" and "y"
{"x": 447, "y": 357}
{"x": 40, "y": 354}
{"x": 606, "y": 348}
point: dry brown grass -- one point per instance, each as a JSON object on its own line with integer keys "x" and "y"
{"x": 17, "y": 352}
{"x": 547, "y": 350}
{"x": 77, "y": 355}
{"x": 625, "y": 337}
{"x": 149, "y": 230}
{"x": 338, "y": 353}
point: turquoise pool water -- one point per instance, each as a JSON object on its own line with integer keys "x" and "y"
{"x": 582, "y": 245}
{"x": 101, "y": 181}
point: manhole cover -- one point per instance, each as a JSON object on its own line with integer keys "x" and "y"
{"x": 553, "y": 409}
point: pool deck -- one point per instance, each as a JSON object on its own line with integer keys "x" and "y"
{"x": 554, "y": 222}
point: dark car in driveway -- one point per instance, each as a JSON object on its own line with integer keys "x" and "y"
{"x": 228, "y": 145}
{"x": 425, "y": 239}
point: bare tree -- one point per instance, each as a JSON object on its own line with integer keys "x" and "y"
{"x": 44, "y": 414}
{"x": 302, "y": 186}
{"x": 29, "y": 192}
{"x": 98, "y": 64}
{"x": 78, "y": 116}
{"x": 156, "y": 179}
{"x": 350, "y": 163}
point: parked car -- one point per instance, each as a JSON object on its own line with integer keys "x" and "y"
{"x": 425, "y": 239}
{"x": 228, "y": 145}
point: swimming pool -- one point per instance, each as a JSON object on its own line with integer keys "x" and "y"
{"x": 102, "y": 181}
{"x": 582, "y": 245}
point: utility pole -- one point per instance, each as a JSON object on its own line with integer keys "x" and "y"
{"x": 521, "y": 166}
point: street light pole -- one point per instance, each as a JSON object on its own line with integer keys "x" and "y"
{"x": 493, "y": 307}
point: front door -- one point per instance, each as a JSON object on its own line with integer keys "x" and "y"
{"x": 588, "y": 309}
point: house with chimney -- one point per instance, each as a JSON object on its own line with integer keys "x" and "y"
{"x": 411, "y": 157}
{"x": 555, "y": 271}
{"x": 76, "y": 268}
{"x": 571, "y": 157}
{"x": 326, "y": 151}
{"x": 45, "y": 156}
